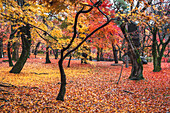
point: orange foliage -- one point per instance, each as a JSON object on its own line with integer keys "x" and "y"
{"x": 90, "y": 88}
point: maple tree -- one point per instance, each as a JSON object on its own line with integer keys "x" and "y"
{"x": 25, "y": 29}
{"x": 64, "y": 53}
{"x": 155, "y": 16}
{"x": 23, "y": 19}
{"x": 160, "y": 30}
{"x": 137, "y": 10}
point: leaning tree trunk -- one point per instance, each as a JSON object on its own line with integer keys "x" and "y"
{"x": 63, "y": 80}
{"x": 1, "y": 48}
{"x": 26, "y": 43}
{"x": 47, "y": 55}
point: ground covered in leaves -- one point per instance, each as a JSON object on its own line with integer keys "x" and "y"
{"x": 91, "y": 88}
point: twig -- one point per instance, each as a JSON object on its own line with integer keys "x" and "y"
{"x": 128, "y": 92}
{"x": 120, "y": 74}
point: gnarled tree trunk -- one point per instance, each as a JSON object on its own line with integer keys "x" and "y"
{"x": 137, "y": 66}
{"x": 26, "y": 43}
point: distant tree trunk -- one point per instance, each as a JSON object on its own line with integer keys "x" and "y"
{"x": 9, "y": 46}
{"x": 137, "y": 67}
{"x": 120, "y": 53}
{"x": 36, "y": 48}
{"x": 1, "y": 47}
{"x": 98, "y": 53}
{"x": 101, "y": 55}
{"x": 69, "y": 61}
{"x": 47, "y": 55}
{"x": 115, "y": 54}
{"x": 26, "y": 43}
{"x": 63, "y": 79}
{"x": 56, "y": 53}
{"x": 15, "y": 53}
{"x": 9, "y": 54}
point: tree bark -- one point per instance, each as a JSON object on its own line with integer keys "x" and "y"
{"x": 137, "y": 67}
{"x": 63, "y": 79}
{"x": 47, "y": 55}
{"x": 26, "y": 43}
{"x": 154, "y": 54}
{"x": 156, "y": 59}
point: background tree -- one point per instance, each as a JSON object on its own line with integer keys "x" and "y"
{"x": 4, "y": 33}
{"x": 156, "y": 18}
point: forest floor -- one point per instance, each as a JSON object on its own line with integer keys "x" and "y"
{"x": 91, "y": 88}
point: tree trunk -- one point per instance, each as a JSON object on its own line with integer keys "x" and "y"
{"x": 15, "y": 53}
{"x": 56, "y": 53}
{"x": 137, "y": 67}
{"x": 98, "y": 52}
{"x": 1, "y": 47}
{"x": 115, "y": 54}
{"x": 9, "y": 54}
{"x": 36, "y": 48}
{"x": 9, "y": 46}
{"x": 47, "y": 55}
{"x": 69, "y": 61}
{"x": 156, "y": 59}
{"x": 63, "y": 80}
{"x": 101, "y": 55}
{"x": 26, "y": 43}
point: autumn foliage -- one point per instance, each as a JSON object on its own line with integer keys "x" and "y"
{"x": 35, "y": 88}
{"x": 74, "y": 27}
